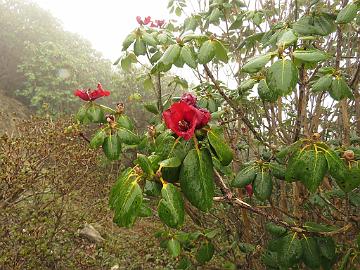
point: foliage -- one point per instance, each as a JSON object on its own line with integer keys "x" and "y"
{"x": 283, "y": 150}
{"x": 288, "y": 131}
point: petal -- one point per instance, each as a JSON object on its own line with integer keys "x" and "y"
{"x": 204, "y": 117}
{"x": 82, "y": 94}
{"x": 147, "y": 20}
{"x": 138, "y": 19}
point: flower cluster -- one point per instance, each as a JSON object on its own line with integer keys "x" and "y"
{"x": 90, "y": 95}
{"x": 147, "y": 20}
{"x": 184, "y": 117}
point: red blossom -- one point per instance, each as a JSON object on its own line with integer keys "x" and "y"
{"x": 90, "y": 95}
{"x": 189, "y": 99}
{"x": 249, "y": 190}
{"x": 160, "y": 23}
{"x": 183, "y": 118}
{"x": 146, "y": 21}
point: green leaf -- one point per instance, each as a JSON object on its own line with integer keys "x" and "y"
{"x": 95, "y": 114}
{"x": 311, "y": 252}
{"x": 128, "y": 41}
{"x": 126, "y": 199}
{"x": 151, "y": 108}
{"x": 327, "y": 247}
{"x": 263, "y": 186}
{"x": 288, "y": 37}
{"x": 149, "y": 39}
{"x": 184, "y": 264}
{"x": 245, "y": 177}
{"x": 163, "y": 38}
{"x": 324, "y": 24}
{"x": 247, "y": 85}
{"x": 347, "y": 179}
{"x": 221, "y": 52}
{"x": 215, "y": 15}
{"x": 196, "y": 179}
{"x": 265, "y": 93}
{"x": 221, "y": 149}
{"x": 348, "y": 13}
{"x": 282, "y": 77}
{"x": 275, "y": 230}
{"x": 112, "y": 147}
{"x": 127, "y": 137}
{"x": 127, "y": 61}
{"x": 317, "y": 227}
{"x": 145, "y": 164}
{"x": 256, "y": 63}
{"x": 340, "y": 90}
{"x": 190, "y": 23}
{"x": 205, "y": 253}
{"x": 171, "y": 54}
{"x": 148, "y": 84}
{"x": 171, "y": 206}
{"x": 98, "y": 139}
{"x": 155, "y": 57}
{"x": 289, "y": 250}
{"x": 188, "y": 57}
{"x": 139, "y": 47}
{"x": 322, "y": 84}
{"x": 269, "y": 258}
{"x": 247, "y": 248}
{"x": 152, "y": 188}
{"x": 206, "y": 52}
{"x": 125, "y": 122}
{"x": 309, "y": 167}
{"x": 81, "y": 114}
{"x": 174, "y": 248}
{"x": 310, "y": 55}
{"x": 321, "y": 24}
{"x": 277, "y": 170}
{"x": 145, "y": 211}
{"x": 170, "y": 162}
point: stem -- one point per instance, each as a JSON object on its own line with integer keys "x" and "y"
{"x": 159, "y": 95}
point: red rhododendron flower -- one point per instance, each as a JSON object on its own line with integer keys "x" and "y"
{"x": 249, "y": 190}
{"x": 183, "y": 118}
{"x": 204, "y": 117}
{"x": 160, "y": 23}
{"x": 90, "y": 95}
{"x": 189, "y": 99}
{"x": 146, "y": 21}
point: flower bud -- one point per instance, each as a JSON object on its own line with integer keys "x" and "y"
{"x": 316, "y": 136}
{"x": 151, "y": 131}
{"x": 349, "y": 155}
{"x": 120, "y": 107}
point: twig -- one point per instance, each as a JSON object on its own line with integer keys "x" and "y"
{"x": 236, "y": 108}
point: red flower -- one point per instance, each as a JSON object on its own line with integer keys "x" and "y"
{"x": 189, "y": 99}
{"x": 183, "y": 118}
{"x": 160, "y": 23}
{"x": 146, "y": 21}
{"x": 90, "y": 95}
{"x": 249, "y": 190}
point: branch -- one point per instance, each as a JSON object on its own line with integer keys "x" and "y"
{"x": 234, "y": 106}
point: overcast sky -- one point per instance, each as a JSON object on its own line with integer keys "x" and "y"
{"x": 104, "y": 23}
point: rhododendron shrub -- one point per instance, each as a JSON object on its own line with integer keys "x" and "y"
{"x": 279, "y": 185}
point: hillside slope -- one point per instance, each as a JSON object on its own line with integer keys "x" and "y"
{"x": 11, "y": 110}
